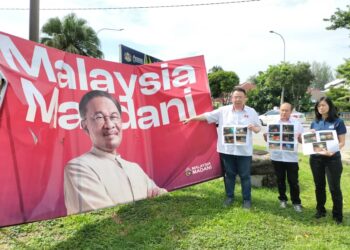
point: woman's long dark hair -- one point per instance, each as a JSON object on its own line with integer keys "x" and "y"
{"x": 332, "y": 112}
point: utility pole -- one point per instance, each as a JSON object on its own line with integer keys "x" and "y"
{"x": 34, "y": 13}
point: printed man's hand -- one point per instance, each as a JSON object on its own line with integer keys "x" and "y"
{"x": 156, "y": 192}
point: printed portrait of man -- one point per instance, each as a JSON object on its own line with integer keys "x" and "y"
{"x": 101, "y": 177}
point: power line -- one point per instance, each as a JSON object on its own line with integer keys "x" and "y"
{"x": 141, "y": 7}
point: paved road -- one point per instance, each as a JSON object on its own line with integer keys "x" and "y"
{"x": 258, "y": 139}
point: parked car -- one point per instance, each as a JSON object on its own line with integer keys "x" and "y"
{"x": 274, "y": 115}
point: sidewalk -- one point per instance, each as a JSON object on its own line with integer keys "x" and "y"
{"x": 345, "y": 156}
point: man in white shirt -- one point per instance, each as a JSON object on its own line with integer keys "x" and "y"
{"x": 235, "y": 145}
{"x": 286, "y": 162}
{"x": 101, "y": 178}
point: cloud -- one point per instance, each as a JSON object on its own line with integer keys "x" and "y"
{"x": 234, "y": 36}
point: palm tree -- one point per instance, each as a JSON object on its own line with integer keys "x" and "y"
{"x": 73, "y": 35}
{"x": 215, "y": 68}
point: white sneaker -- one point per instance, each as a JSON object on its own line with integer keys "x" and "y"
{"x": 298, "y": 208}
{"x": 283, "y": 204}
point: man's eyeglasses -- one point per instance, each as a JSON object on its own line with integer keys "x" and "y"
{"x": 101, "y": 119}
{"x": 238, "y": 97}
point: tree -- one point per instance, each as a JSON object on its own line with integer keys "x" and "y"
{"x": 300, "y": 81}
{"x": 222, "y": 82}
{"x": 322, "y": 73}
{"x": 343, "y": 70}
{"x": 340, "y": 19}
{"x": 265, "y": 96}
{"x": 340, "y": 97}
{"x": 73, "y": 35}
{"x": 252, "y": 79}
{"x": 294, "y": 77}
{"x": 215, "y": 69}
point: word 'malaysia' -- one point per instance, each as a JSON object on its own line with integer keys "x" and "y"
{"x": 75, "y": 76}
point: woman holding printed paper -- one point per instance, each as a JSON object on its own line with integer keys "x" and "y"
{"x": 326, "y": 163}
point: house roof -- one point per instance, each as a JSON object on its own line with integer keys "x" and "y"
{"x": 334, "y": 83}
{"x": 247, "y": 86}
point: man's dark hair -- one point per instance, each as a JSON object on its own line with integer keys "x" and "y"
{"x": 239, "y": 89}
{"x": 332, "y": 112}
{"x": 93, "y": 94}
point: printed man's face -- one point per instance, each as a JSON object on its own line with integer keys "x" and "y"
{"x": 103, "y": 124}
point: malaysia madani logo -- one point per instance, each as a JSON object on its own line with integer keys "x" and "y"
{"x": 188, "y": 172}
{"x": 127, "y": 56}
{"x": 198, "y": 169}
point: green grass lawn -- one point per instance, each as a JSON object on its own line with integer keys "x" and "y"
{"x": 194, "y": 218}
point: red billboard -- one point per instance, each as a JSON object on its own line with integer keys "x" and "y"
{"x": 40, "y": 129}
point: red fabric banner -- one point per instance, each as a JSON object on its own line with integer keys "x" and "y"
{"x": 40, "y": 126}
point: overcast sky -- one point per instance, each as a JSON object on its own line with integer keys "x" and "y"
{"x": 234, "y": 36}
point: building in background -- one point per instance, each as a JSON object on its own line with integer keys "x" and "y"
{"x": 315, "y": 93}
{"x": 337, "y": 83}
{"x": 247, "y": 86}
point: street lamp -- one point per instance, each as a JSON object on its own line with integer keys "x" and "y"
{"x": 112, "y": 29}
{"x": 284, "y": 60}
{"x": 108, "y": 29}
